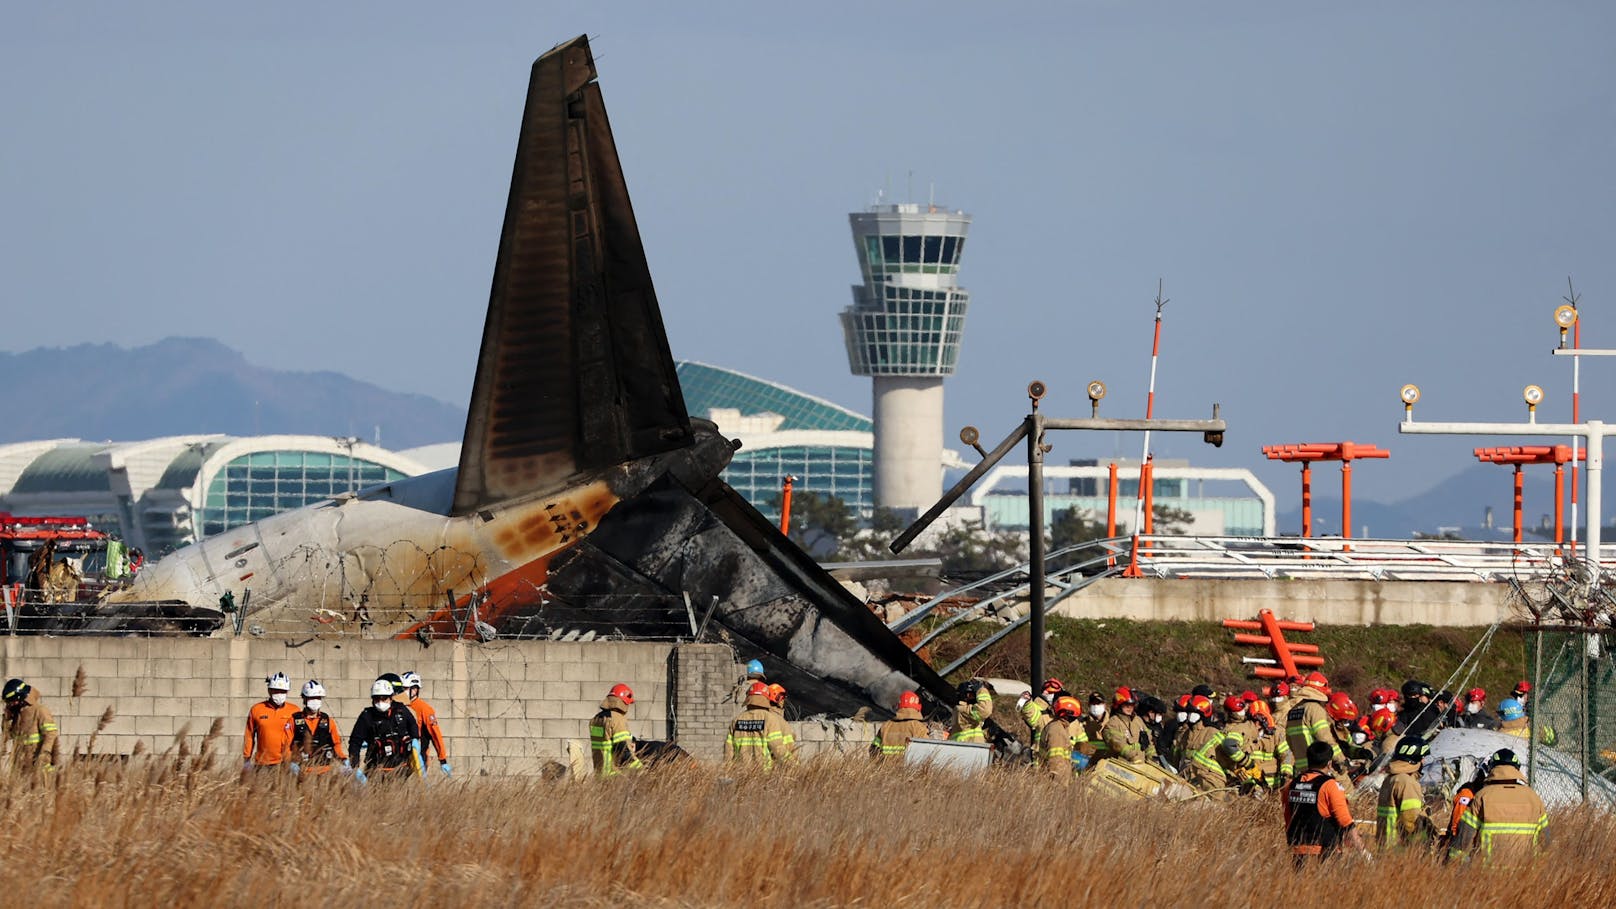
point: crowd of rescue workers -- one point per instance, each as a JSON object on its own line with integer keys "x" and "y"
{"x": 1223, "y": 747}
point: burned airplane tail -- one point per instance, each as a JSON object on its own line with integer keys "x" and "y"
{"x": 576, "y": 378}
{"x": 575, "y": 372}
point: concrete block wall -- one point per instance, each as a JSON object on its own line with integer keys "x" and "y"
{"x": 704, "y": 678}
{"x": 1331, "y": 602}
{"x": 506, "y": 707}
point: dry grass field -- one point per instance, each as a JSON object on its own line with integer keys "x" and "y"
{"x": 831, "y": 833}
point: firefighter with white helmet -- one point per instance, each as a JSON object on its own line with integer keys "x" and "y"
{"x": 268, "y": 742}
{"x": 386, "y": 740}
{"x": 427, "y": 718}
{"x": 316, "y": 744}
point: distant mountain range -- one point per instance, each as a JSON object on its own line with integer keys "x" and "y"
{"x": 180, "y": 386}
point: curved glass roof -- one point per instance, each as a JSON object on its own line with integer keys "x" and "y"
{"x": 182, "y": 471}
{"x": 706, "y": 387}
{"x": 65, "y": 468}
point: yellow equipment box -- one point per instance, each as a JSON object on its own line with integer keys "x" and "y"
{"x": 1138, "y": 781}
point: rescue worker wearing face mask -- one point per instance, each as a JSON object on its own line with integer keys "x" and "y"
{"x": 427, "y": 718}
{"x": 1400, "y": 816}
{"x": 1418, "y": 716}
{"x": 268, "y": 743}
{"x": 892, "y": 738}
{"x": 1176, "y": 753}
{"x": 1034, "y": 709}
{"x": 1154, "y": 712}
{"x": 1506, "y": 823}
{"x": 1317, "y": 819}
{"x": 30, "y": 729}
{"x": 1237, "y": 752}
{"x": 611, "y": 745}
{"x": 1309, "y": 720}
{"x": 973, "y": 707}
{"x": 758, "y": 736}
{"x": 1092, "y": 727}
{"x": 1280, "y": 699}
{"x": 1202, "y": 767}
{"x": 385, "y": 740}
{"x": 1054, "y": 749}
{"x": 777, "y": 703}
{"x": 1353, "y": 741}
{"x": 1124, "y": 734}
{"x": 1476, "y": 715}
{"x": 316, "y": 744}
{"x": 1271, "y": 751}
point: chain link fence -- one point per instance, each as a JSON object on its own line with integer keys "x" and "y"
{"x": 1572, "y": 709}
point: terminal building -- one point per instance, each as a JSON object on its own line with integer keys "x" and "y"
{"x": 161, "y": 494}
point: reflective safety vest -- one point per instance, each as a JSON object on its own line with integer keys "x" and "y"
{"x": 611, "y": 744}
{"x": 1309, "y": 831}
{"x": 968, "y": 718}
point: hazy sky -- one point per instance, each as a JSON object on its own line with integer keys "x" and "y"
{"x": 1340, "y": 197}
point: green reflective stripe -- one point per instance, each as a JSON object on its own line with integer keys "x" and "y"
{"x": 49, "y": 727}
{"x": 32, "y": 739}
{"x": 1468, "y": 818}
{"x": 1410, "y": 805}
{"x": 1060, "y": 753}
{"x": 1203, "y": 755}
{"x": 968, "y": 735}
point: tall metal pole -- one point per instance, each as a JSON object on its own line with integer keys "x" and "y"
{"x": 1035, "y": 543}
{"x": 1150, "y": 407}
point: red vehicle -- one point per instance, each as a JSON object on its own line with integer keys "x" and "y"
{"x": 55, "y": 559}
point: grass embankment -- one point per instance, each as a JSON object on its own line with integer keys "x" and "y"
{"x": 1170, "y": 658}
{"x": 834, "y": 832}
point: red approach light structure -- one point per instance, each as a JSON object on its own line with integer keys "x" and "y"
{"x": 1291, "y": 658}
{"x": 1307, "y": 453}
{"x": 1522, "y": 455}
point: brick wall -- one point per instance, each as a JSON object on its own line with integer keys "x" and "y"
{"x": 506, "y": 707}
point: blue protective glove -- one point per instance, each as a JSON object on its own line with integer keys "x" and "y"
{"x": 444, "y": 766}
{"x": 415, "y": 755}
{"x": 246, "y": 765}
{"x": 360, "y": 775}
{"x": 347, "y": 769}
{"x": 296, "y": 768}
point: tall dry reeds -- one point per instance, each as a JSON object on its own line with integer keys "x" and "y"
{"x": 165, "y": 831}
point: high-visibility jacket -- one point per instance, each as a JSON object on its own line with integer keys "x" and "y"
{"x": 431, "y": 733}
{"x": 1308, "y": 722}
{"x": 1092, "y": 731}
{"x": 1127, "y": 737}
{"x": 1273, "y": 756}
{"x": 969, "y": 718}
{"x": 315, "y": 741}
{"x": 759, "y": 737}
{"x": 1401, "y": 807}
{"x": 1055, "y": 749}
{"x": 1178, "y": 752}
{"x": 611, "y": 745}
{"x": 892, "y": 738}
{"x": 269, "y": 734}
{"x": 1506, "y": 823}
{"x": 1035, "y": 713}
{"x": 789, "y": 735}
{"x": 1237, "y": 752}
{"x": 1202, "y": 768}
{"x": 32, "y": 733}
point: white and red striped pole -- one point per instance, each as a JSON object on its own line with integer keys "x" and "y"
{"x": 1150, "y": 408}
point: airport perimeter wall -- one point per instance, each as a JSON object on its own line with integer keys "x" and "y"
{"x": 506, "y": 707}
{"x": 1328, "y": 602}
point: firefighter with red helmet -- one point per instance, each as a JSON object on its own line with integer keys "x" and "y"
{"x": 1125, "y": 734}
{"x": 759, "y": 738}
{"x": 1309, "y": 721}
{"x": 1237, "y": 750}
{"x": 892, "y": 738}
{"x": 611, "y": 745}
{"x": 1202, "y": 767}
{"x": 777, "y": 703}
{"x": 1034, "y": 709}
{"x": 1271, "y": 751}
{"x": 1476, "y": 715}
{"x": 1054, "y": 747}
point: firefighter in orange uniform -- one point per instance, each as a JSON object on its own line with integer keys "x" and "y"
{"x": 316, "y": 744}
{"x": 268, "y": 744}
{"x": 427, "y": 718}
{"x": 1317, "y": 819}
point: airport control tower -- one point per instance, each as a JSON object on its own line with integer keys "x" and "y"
{"x": 903, "y": 331}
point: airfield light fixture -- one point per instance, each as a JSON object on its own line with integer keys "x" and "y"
{"x": 1565, "y": 316}
{"x": 1036, "y": 391}
{"x": 1411, "y": 395}
{"x": 1533, "y": 396}
{"x": 1096, "y": 392}
{"x": 970, "y": 436}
